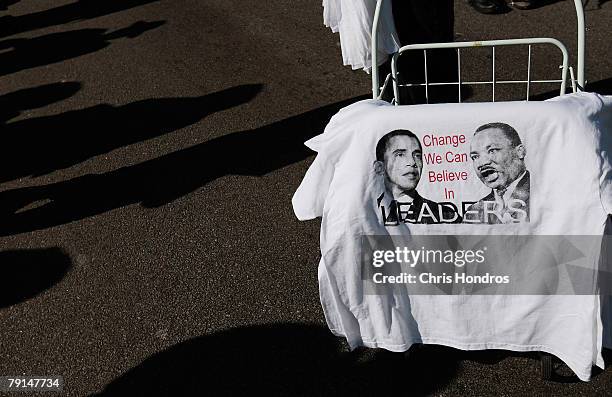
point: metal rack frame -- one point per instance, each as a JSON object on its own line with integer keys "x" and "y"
{"x": 577, "y": 83}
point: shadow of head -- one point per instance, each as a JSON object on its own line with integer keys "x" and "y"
{"x": 280, "y": 359}
{"x": 27, "y": 273}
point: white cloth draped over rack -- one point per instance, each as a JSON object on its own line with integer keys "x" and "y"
{"x": 568, "y": 148}
{"x": 353, "y": 20}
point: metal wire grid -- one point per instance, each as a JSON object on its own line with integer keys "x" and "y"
{"x": 577, "y": 83}
{"x": 494, "y": 81}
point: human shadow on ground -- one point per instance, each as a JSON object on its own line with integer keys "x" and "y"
{"x": 77, "y": 11}
{"x": 21, "y": 54}
{"x": 27, "y": 273}
{"x": 14, "y": 103}
{"x": 41, "y": 145}
{"x": 151, "y": 183}
{"x": 282, "y": 360}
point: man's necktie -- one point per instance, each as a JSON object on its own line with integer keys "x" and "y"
{"x": 502, "y": 207}
{"x": 501, "y": 204}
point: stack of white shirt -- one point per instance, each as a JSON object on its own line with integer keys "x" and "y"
{"x": 353, "y": 19}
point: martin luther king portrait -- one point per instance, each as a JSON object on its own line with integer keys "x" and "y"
{"x": 498, "y": 156}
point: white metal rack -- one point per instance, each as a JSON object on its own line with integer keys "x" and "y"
{"x": 577, "y": 82}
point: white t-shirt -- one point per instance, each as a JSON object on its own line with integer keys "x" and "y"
{"x": 353, "y": 19}
{"x": 566, "y": 144}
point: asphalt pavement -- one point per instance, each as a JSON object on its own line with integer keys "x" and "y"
{"x": 149, "y": 152}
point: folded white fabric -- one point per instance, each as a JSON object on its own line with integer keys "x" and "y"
{"x": 353, "y": 19}
{"x": 565, "y": 158}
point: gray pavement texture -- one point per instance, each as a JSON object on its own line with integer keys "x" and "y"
{"x": 149, "y": 151}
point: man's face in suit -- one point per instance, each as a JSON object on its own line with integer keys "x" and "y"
{"x": 403, "y": 162}
{"x": 496, "y": 161}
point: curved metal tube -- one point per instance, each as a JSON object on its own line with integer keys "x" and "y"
{"x": 580, "y": 60}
